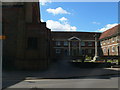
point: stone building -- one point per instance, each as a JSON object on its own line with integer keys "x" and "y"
{"x": 27, "y": 41}
{"x": 73, "y": 43}
{"x": 110, "y": 41}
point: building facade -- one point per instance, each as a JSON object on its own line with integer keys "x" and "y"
{"x": 27, "y": 41}
{"x": 110, "y": 41}
{"x": 73, "y": 43}
{"x": 29, "y": 45}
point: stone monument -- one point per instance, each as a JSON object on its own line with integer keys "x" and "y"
{"x": 96, "y": 57}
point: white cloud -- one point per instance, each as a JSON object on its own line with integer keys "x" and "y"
{"x": 63, "y": 19}
{"x": 108, "y": 26}
{"x": 42, "y": 20}
{"x": 44, "y": 2}
{"x": 97, "y": 23}
{"x": 58, "y": 10}
{"x": 57, "y": 26}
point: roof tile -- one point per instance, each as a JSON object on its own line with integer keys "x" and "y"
{"x": 110, "y": 32}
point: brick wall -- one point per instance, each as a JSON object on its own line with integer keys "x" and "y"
{"x": 110, "y": 46}
{"x": 18, "y": 28}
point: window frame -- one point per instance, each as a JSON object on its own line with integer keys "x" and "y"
{"x": 82, "y": 43}
{"x": 65, "y": 43}
{"x": 90, "y": 44}
{"x": 113, "y": 49}
{"x": 58, "y": 43}
{"x": 57, "y": 51}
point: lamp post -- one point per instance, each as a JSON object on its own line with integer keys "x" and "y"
{"x": 96, "y": 57}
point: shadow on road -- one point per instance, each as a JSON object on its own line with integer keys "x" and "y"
{"x": 61, "y": 69}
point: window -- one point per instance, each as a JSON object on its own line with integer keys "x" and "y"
{"x": 89, "y": 43}
{"x": 113, "y": 39}
{"x": 118, "y": 38}
{"x": 65, "y": 43}
{"x": 57, "y": 43}
{"x": 104, "y": 42}
{"x": 32, "y": 43}
{"x": 82, "y": 43}
{"x": 104, "y": 50}
{"x": 113, "y": 49}
{"x": 74, "y": 44}
{"x": 58, "y": 51}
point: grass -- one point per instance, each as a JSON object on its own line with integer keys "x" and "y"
{"x": 78, "y": 60}
{"x": 89, "y": 59}
{"x": 111, "y": 61}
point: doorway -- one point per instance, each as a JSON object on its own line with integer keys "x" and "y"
{"x": 75, "y": 52}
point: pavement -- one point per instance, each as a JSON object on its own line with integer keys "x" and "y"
{"x": 58, "y": 70}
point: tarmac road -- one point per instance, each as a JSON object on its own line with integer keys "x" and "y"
{"x": 62, "y": 75}
{"x": 88, "y": 82}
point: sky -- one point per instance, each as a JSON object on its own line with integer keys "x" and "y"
{"x": 79, "y": 16}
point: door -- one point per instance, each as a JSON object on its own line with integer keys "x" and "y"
{"x": 75, "y": 52}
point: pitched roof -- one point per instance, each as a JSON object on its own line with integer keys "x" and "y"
{"x": 80, "y": 35}
{"x": 110, "y": 32}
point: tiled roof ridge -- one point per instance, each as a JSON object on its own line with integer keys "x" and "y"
{"x": 109, "y": 32}
{"x": 112, "y": 28}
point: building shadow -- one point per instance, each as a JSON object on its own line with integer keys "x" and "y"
{"x": 59, "y": 70}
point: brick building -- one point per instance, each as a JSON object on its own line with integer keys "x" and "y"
{"x": 28, "y": 44}
{"x": 27, "y": 41}
{"x": 110, "y": 41}
{"x": 73, "y": 43}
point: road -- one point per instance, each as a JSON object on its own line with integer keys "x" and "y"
{"x": 89, "y": 82}
{"x": 61, "y": 74}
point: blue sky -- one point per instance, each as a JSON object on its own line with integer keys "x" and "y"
{"x": 79, "y": 16}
